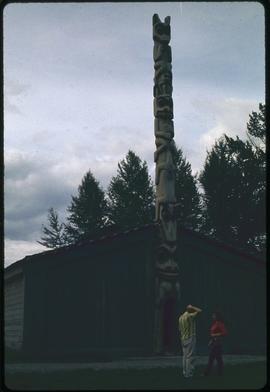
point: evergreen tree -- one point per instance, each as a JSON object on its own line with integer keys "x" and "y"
{"x": 54, "y": 234}
{"x": 87, "y": 211}
{"x": 187, "y": 195}
{"x": 130, "y": 194}
{"x": 256, "y": 131}
{"x": 231, "y": 179}
{"x": 217, "y": 182}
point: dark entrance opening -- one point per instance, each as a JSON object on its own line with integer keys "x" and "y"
{"x": 169, "y": 325}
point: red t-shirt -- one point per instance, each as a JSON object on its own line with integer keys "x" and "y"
{"x": 218, "y": 327}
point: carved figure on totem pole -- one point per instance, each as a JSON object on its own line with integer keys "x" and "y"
{"x": 167, "y": 270}
{"x": 164, "y": 127}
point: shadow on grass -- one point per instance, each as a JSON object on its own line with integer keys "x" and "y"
{"x": 244, "y": 376}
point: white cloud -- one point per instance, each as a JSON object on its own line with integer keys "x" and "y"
{"x": 13, "y": 92}
{"x": 208, "y": 139}
{"x": 205, "y": 118}
{"x": 228, "y": 116}
{"x": 15, "y": 88}
{"x": 16, "y": 250}
{"x": 31, "y": 188}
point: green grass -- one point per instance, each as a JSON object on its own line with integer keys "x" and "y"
{"x": 244, "y": 376}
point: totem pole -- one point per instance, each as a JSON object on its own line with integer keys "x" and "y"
{"x": 167, "y": 271}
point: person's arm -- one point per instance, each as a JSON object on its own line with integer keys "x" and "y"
{"x": 198, "y": 310}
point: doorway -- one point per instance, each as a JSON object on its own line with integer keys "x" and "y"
{"x": 169, "y": 326}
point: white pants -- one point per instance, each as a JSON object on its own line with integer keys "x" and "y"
{"x": 188, "y": 346}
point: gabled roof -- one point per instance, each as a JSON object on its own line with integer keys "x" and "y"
{"x": 257, "y": 259}
{"x": 99, "y": 240}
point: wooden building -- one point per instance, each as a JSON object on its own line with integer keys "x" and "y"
{"x": 96, "y": 300}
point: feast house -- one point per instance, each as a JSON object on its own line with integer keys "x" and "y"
{"x": 96, "y": 299}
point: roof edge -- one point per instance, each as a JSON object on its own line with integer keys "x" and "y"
{"x": 152, "y": 225}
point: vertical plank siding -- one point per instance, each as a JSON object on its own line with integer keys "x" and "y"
{"x": 14, "y": 311}
{"x": 213, "y": 278}
{"x": 99, "y": 300}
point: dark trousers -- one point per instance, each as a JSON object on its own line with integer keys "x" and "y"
{"x": 215, "y": 354}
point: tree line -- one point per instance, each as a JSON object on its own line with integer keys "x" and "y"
{"x": 225, "y": 201}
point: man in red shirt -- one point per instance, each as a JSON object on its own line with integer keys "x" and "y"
{"x": 217, "y": 331}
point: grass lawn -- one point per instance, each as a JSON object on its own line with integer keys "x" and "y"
{"x": 244, "y": 376}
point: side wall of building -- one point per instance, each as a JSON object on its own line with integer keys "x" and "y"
{"x": 14, "y": 309}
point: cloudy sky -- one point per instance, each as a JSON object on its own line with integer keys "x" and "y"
{"x": 78, "y": 83}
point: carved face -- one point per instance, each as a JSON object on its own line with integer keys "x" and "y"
{"x": 163, "y": 107}
{"x": 167, "y": 266}
{"x": 161, "y": 31}
{"x": 163, "y": 79}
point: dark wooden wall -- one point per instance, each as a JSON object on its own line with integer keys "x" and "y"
{"x": 215, "y": 278}
{"x": 94, "y": 300}
{"x": 97, "y": 301}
